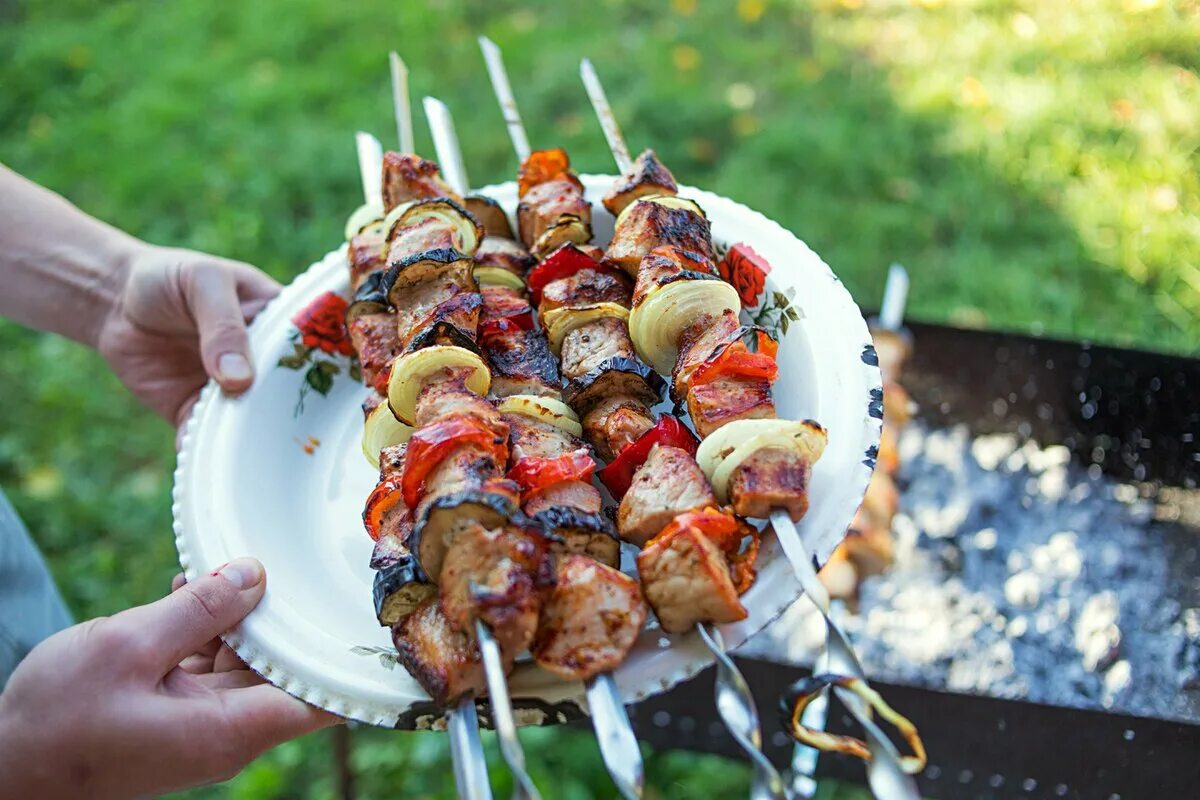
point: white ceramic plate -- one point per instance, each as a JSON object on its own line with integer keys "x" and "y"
{"x": 246, "y": 484}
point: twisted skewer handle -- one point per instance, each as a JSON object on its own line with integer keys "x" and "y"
{"x": 502, "y": 716}
{"x": 735, "y": 705}
{"x": 466, "y": 749}
{"x": 885, "y": 775}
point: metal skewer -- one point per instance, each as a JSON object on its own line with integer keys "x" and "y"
{"x": 735, "y": 702}
{"x": 618, "y": 745}
{"x": 462, "y": 723}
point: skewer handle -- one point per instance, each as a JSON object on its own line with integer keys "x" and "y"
{"x": 470, "y": 766}
{"x": 608, "y": 121}
{"x": 370, "y": 167}
{"x": 618, "y": 745}
{"x": 884, "y": 773}
{"x": 895, "y": 295}
{"x": 445, "y": 144}
{"x": 400, "y": 103}
{"x": 504, "y": 94}
{"x": 502, "y": 716}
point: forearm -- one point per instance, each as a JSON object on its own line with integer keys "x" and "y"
{"x": 60, "y": 269}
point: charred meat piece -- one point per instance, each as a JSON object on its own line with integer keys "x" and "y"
{"x": 647, "y": 176}
{"x": 590, "y": 345}
{"x": 465, "y": 468}
{"x": 421, "y": 300}
{"x": 389, "y": 550}
{"x": 616, "y": 422}
{"x": 367, "y": 254}
{"x": 774, "y": 477}
{"x": 430, "y": 234}
{"x": 502, "y": 301}
{"x": 723, "y": 400}
{"x": 543, "y": 206}
{"x": 522, "y": 364}
{"x": 529, "y": 437}
{"x": 372, "y": 402}
{"x": 391, "y": 460}
{"x": 410, "y": 177}
{"x": 686, "y": 580}
{"x": 649, "y": 225}
{"x": 590, "y": 620}
{"x": 576, "y": 495}
{"x": 700, "y": 341}
{"x": 667, "y": 485}
{"x": 585, "y": 287}
{"x": 504, "y": 253}
{"x": 453, "y": 321}
{"x": 667, "y": 264}
{"x": 498, "y": 576}
{"x": 446, "y": 394}
{"x": 376, "y": 339}
{"x": 443, "y": 660}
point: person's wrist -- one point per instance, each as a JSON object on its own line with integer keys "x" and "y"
{"x": 108, "y": 288}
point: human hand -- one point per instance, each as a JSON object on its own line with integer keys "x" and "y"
{"x": 147, "y": 701}
{"x": 179, "y": 319}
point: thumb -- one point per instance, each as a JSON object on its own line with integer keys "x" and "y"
{"x": 169, "y": 630}
{"x": 211, "y": 291}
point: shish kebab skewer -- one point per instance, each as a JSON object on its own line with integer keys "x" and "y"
{"x": 764, "y": 488}
{"x": 458, "y": 557}
{"x": 599, "y": 360}
{"x": 578, "y": 635}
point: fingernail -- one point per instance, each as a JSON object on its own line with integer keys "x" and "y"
{"x": 242, "y": 572}
{"x": 234, "y": 367}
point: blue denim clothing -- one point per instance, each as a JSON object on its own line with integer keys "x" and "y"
{"x": 30, "y": 606}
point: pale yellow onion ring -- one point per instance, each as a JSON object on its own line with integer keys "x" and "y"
{"x": 656, "y": 324}
{"x": 543, "y": 409}
{"x": 381, "y": 430}
{"x": 361, "y": 217}
{"x": 498, "y": 276}
{"x": 410, "y": 371}
{"x": 804, "y": 437}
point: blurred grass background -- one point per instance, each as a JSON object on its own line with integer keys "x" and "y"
{"x": 1033, "y": 164}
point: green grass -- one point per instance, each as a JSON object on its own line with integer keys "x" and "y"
{"x": 1033, "y": 164}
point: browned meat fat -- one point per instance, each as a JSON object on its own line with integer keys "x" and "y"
{"x": 504, "y": 253}
{"x": 590, "y": 621}
{"x": 667, "y": 485}
{"x": 616, "y": 422}
{"x": 377, "y": 341}
{"x": 542, "y": 206}
{"x": 443, "y": 660}
{"x": 566, "y": 494}
{"x": 497, "y": 576}
{"x": 409, "y": 177}
{"x": 532, "y": 438}
{"x": 588, "y": 346}
{"x": 585, "y": 287}
{"x": 686, "y": 580}
{"x": 774, "y": 477}
{"x": 367, "y": 255}
{"x": 647, "y": 176}
{"x": 649, "y": 225}
{"x": 666, "y": 264}
{"x": 701, "y": 340}
{"x": 522, "y": 363}
{"x": 723, "y": 400}
{"x": 446, "y": 394}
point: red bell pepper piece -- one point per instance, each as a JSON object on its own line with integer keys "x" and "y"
{"x": 736, "y": 361}
{"x": 562, "y": 263}
{"x": 535, "y": 473}
{"x": 383, "y": 498}
{"x": 430, "y": 445}
{"x": 667, "y": 431}
{"x": 522, "y": 321}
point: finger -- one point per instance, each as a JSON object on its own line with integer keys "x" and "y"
{"x": 268, "y": 716}
{"x": 254, "y": 284}
{"x": 198, "y": 664}
{"x": 211, "y": 291}
{"x": 163, "y": 633}
{"x": 225, "y": 660}
{"x": 178, "y": 581}
{"x": 237, "y": 679}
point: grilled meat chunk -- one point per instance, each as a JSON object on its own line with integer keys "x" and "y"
{"x": 421, "y": 300}
{"x": 376, "y": 339}
{"x": 372, "y": 402}
{"x": 388, "y": 550}
{"x": 649, "y": 225}
{"x": 444, "y": 661}
{"x": 668, "y": 484}
{"x": 774, "y": 477}
{"x": 446, "y": 394}
{"x": 410, "y": 177}
{"x": 367, "y": 254}
{"x": 723, "y": 400}
{"x": 590, "y": 620}
{"x": 545, "y": 204}
{"x": 585, "y": 287}
{"x": 576, "y": 495}
{"x": 429, "y": 234}
{"x": 529, "y": 437}
{"x": 507, "y": 254}
{"x": 667, "y": 264}
{"x": 588, "y": 346}
{"x": 391, "y": 460}
{"x": 522, "y": 364}
{"x": 497, "y": 576}
{"x": 502, "y": 301}
{"x": 616, "y": 422}
{"x": 453, "y": 321}
{"x": 648, "y": 176}
{"x": 700, "y": 341}
{"x": 686, "y": 580}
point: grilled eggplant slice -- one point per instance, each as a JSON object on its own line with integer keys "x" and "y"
{"x": 411, "y": 371}
{"x": 414, "y": 269}
{"x": 569, "y": 228}
{"x": 489, "y": 214}
{"x": 446, "y": 514}
{"x": 389, "y": 549}
{"x": 467, "y": 232}
{"x": 371, "y": 297}
{"x": 592, "y": 535}
{"x": 627, "y": 377}
{"x": 399, "y": 588}
{"x": 648, "y": 176}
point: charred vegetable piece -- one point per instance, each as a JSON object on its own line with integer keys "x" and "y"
{"x": 454, "y": 265}
{"x": 431, "y": 443}
{"x": 657, "y": 324}
{"x": 562, "y": 263}
{"x": 382, "y": 430}
{"x": 399, "y": 589}
{"x": 534, "y": 474}
{"x": 668, "y": 431}
{"x": 385, "y": 511}
{"x": 543, "y": 166}
{"x": 446, "y": 514}
{"x": 490, "y": 215}
{"x": 411, "y": 371}
{"x": 730, "y": 445}
{"x": 648, "y": 176}
{"x": 627, "y": 377}
{"x": 390, "y": 549}
{"x": 589, "y": 534}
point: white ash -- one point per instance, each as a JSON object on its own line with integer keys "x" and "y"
{"x": 1019, "y": 574}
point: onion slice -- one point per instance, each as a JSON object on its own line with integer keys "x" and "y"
{"x": 657, "y": 323}
{"x": 543, "y": 409}
{"x": 498, "y": 276}
{"x": 730, "y": 445}
{"x": 411, "y": 370}
{"x": 381, "y": 430}
{"x": 361, "y": 217}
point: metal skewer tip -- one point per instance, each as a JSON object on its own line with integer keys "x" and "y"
{"x": 400, "y": 103}
{"x": 895, "y": 295}
{"x": 370, "y": 167}
{"x": 608, "y": 121}
{"x": 618, "y": 745}
{"x": 504, "y": 94}
{"x": 502, "y": 716}
{"x": 445, "y": 144}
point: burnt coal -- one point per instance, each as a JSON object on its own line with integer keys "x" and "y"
{"x": 1022, "y": 574}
